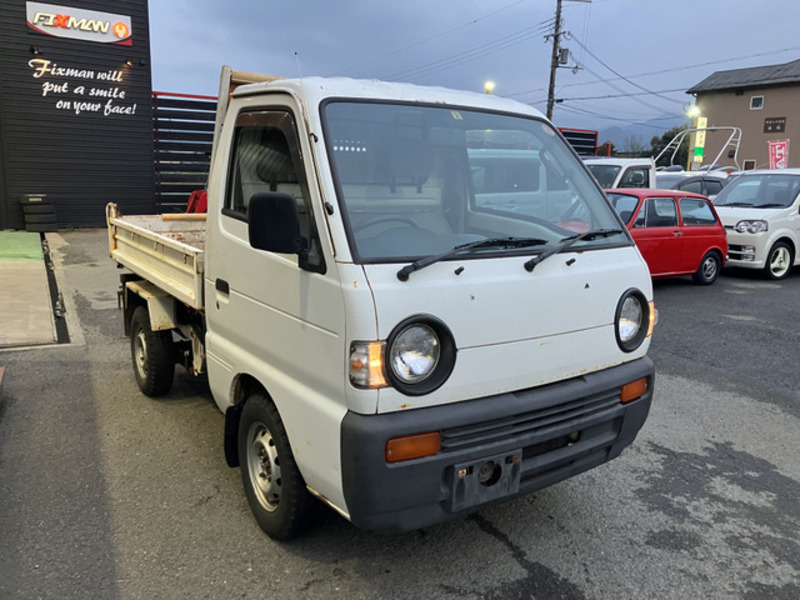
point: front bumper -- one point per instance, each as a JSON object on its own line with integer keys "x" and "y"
{"x": 746, "y": 250}
{"x": 534, "y": 438}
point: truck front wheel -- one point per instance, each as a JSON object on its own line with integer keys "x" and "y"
{"x": 272, "y": 482}
{"x": 152, "y": 355}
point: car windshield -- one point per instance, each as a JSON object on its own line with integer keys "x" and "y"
{"x": 416, "y": 181}
{"x": 624, "y": 204}
{"x": 605, "y": 174}
{"x": 768, "y": 190}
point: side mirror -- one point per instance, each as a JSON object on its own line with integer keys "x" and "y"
{"x": 273, "y": 223}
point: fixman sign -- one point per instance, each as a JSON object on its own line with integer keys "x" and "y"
{"x": 79, "y": 24}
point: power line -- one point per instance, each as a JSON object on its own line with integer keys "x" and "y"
{"x": 472, "y": 53}
{"x": 617, "y": 73}
{"x": 609, "y": 96}
{"x": 584, "y": 112}
{"x": 687, "y": 67}
{"x": 431, "y": 38}
{"x": 661, "y": 72}
{"x": 634, "y": 98}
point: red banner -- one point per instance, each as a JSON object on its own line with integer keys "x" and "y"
{"x": 779, "y": 154}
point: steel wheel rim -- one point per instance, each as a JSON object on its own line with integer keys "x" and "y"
{"x": 709, "y": 268}
{"x": 263, "y": 465}
{"x": 140, "y": 354}
{"x": 780, "y": 261}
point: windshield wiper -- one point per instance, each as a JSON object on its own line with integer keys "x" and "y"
{"x": 509, "y": 242}
{"x": 770, "y": 205}
{"x": 566, "y": 243}
{"x": 737, "y": 204}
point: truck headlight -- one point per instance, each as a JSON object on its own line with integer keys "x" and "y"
{"x": 751, "y": 226}
{"x": 420, "y": 355}
{"x": 632, "y": 323}
{"x": 415, "y": 353}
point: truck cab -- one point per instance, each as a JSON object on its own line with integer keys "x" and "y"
{"x": 613, "y": 172}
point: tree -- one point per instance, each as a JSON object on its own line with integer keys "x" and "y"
{"x": 659, "y": 143}
{"x": 634, "y": 146}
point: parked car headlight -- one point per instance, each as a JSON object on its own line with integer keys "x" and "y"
{"x": 420, "y": 355}
{"x": 748, "y": 226}
{"x": 632, "y": 321}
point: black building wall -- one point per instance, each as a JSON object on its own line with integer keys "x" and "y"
{"x": 54, "y": 138}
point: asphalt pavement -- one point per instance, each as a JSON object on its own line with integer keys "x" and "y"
{"x": 105, "y": 493}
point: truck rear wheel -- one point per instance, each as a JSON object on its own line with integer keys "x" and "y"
{"x": 273, "y": 484}
{"x": 152, "y": 355}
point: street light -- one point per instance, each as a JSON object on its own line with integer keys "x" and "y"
{"x": 488, "y": 86}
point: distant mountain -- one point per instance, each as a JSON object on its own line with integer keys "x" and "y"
{"x": 622, "y": 136}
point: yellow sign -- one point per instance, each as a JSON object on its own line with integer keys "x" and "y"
{"x": 700, "y": 139}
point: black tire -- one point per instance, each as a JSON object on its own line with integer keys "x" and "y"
{"x": 273, "y": 484}
{"x": 779, "y": 261}
{"x": 152, "y": 355}
{"x": 709, "y": 269}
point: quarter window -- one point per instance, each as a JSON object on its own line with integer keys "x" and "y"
{"x": 696, "y": 212}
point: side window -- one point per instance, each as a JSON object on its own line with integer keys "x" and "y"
{"x": 658, "y": 212}
{"x": 266, "y": 158}
{"x": 713, "y": 188}
{"x": 696, "y": 212}
{"x": 635, "y": 177}
{"x": 696, "y": 187}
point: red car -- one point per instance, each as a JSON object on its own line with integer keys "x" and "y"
{"x": 678, "y": 233}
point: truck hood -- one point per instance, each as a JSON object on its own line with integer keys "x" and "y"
{"x": 560, "y": 317}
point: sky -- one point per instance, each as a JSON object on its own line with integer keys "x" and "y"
{"x": 630, "y": 61}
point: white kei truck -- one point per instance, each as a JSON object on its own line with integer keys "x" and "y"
{"x": 378, "y": 333}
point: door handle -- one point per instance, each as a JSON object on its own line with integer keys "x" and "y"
{"x": 222, "y": 287}
{"x": 677, "y": 234}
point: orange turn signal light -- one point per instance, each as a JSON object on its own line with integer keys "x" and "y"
{"x": 633, "y": 390}
{"x": 413, "y": 446}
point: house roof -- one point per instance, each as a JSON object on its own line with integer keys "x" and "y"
{"x": 786, "y": 73}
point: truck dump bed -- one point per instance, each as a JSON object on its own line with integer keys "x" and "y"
{"x": 166, "y": 250}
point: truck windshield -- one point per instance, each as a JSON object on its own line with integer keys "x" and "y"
{"x": 417, "y": 181}
{"x": 606, "y": 175}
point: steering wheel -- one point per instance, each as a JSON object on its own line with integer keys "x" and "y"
{"x": 386, "y": 219}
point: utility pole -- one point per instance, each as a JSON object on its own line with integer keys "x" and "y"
{"x": 551, "y": 90}
{"x": 556, "y": 58}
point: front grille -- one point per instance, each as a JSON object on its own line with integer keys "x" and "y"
{"x": 531, "y": 424}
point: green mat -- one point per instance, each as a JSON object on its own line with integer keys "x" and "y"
{"x": 20, "y": 245}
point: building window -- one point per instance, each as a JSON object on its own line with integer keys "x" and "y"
{"x": 749, "y": 165}
{"x": 756, "y": 102}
